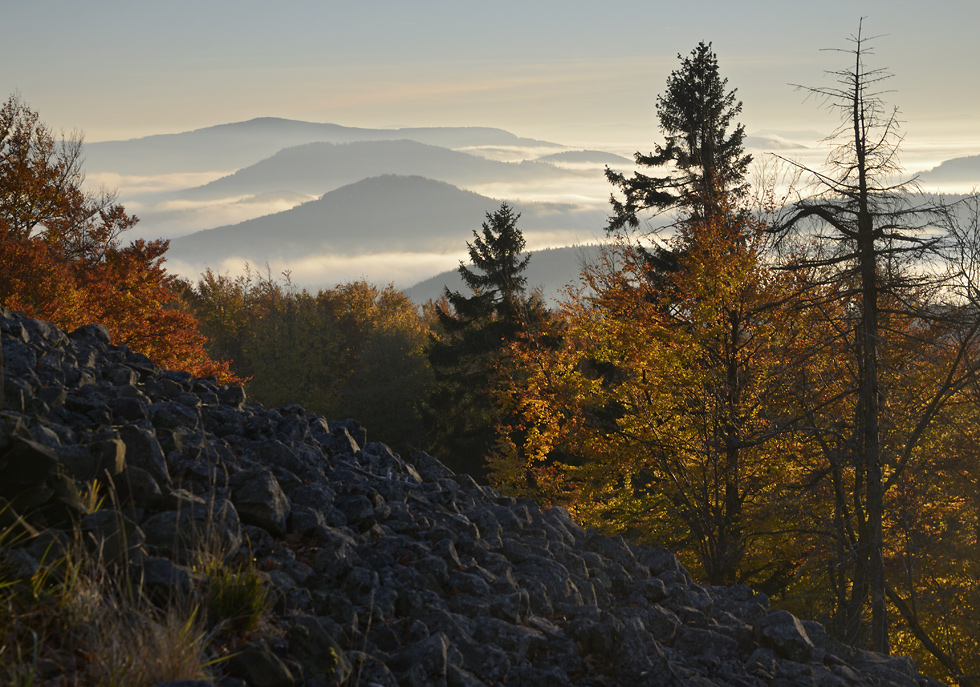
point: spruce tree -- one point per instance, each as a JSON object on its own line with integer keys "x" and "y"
{"x": 695, "y": 114}
{"x": 476, "y": 329}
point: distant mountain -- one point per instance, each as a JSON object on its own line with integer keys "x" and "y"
{"x": 809, "y": 136}
{"x": 773, "y": 142}
{"x": 386, "y": 214}
{"x": 236, "y": 145}
{"x": 551, "y": 269}
{"x": 586, "y": 156}
{"x": 959, "y": 171}
{"x": 315, "y": 168}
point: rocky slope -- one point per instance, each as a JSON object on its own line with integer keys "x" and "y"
{"x": 386, "y": 571}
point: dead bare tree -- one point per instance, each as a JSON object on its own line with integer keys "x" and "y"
{"x": 865, "y": 236}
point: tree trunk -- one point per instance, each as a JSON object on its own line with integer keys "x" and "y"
{"x": 869, "y": 398}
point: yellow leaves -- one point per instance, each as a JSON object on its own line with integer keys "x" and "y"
{"x": 657, "y": 404}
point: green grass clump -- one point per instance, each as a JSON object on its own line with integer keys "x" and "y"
{"x": 236, "y": 595}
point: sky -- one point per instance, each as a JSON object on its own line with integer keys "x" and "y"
{"x": 580, "y": 73}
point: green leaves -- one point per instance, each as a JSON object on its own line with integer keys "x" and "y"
{"x": 471, "y": 351}
{"x": 351, "y": 351}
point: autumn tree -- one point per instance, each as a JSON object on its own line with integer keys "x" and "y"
{"x": 353, "y": 351}
{"x": 663, "y": 410}
{"x": 62, "y": 259}
{"x": 475, "y": 329}
{"x": 703, "y": 159}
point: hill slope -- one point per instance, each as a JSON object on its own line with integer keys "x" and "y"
{"x": 960, "y": 171}
{"x": 385, "y": 570}
{"x": 550, "y": 269}
{"x": 377, "y": 215}
{"x": 315, "y": 168}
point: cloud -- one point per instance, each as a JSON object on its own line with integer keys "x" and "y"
{"x": 586, "y": 193}
{"x": 134, "y": 186}
{"x": 327, "y": 270}
{"x": 172, "y": 219}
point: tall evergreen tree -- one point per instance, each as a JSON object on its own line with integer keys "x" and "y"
{"x": 695, "y": 114}
{"x": 476, "y": 328}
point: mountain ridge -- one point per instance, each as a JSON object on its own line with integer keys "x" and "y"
{"x": 416, "y": 215}
{"x": 319, "y": 167}
{"x": 237, "y": 144}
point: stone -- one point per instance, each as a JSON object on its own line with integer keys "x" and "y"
{"x": 25, "y": 463}
{"x": 163, "y": 580}
{"x": 424, "y": 664}
{"x": 382, "y": 571}
{"x": 260, "y": 500}
{"x": 113, "y": 537}
{"x": 143, "y": 450}
{"x": 785, "y": 635}
{"x": 178, "y": 534}
{"x": 310, "y": 641}
{"x": 260, "y": 667}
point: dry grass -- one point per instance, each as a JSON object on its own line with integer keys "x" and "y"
{"x": 75, "y": 621}
{"x": 142, "y": 647}
{"x": 74, "y": 618}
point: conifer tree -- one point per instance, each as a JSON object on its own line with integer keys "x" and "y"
{"x": 695, "y": 114}
{"x": 476, "y": 329}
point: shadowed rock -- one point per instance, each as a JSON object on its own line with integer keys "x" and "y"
{"x": 384, "y": 570}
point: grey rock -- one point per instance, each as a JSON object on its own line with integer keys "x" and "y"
{"x": 25, "y": 463}
{"x": 112, "y": 537}
{"x": 143, "y": 450}
{"x": 383, "y": 571}
{"x": 310, "y": 640}
{"x": 424, "y": 664}
{"x": 260, "y": 500}
{"x": 164, "y": 580}
{"x": 92, "y": 334}
{"x": 358, "y": 510}
{"x": 260, "y": 667}
{"x": 785, "y": 634}
{"x": 178, "y": 534}
{"x": 136, "y": 486}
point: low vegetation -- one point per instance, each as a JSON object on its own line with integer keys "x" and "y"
{"x": 73, "y": 617}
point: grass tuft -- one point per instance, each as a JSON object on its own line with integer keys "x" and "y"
{"x": 140, "y": 648}
{"x": 236, "y": 594}
{"x": 73, "y": 618}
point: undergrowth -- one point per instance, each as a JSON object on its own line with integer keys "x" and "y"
{"x": 235, "y": 594}
{"x": 69, "y": 618}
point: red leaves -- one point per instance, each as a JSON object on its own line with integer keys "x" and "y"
{"x": 61, "y": 259}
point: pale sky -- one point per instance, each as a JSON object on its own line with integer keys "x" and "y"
{"x": 570, "y": 71}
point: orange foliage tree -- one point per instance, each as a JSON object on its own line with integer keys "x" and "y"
{"x": 661, "y": 400}
{"x": 61, "y": 258}
{"x": 710, "y": 408}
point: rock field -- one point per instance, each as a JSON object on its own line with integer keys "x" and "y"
{"x": 386, "y": 571}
